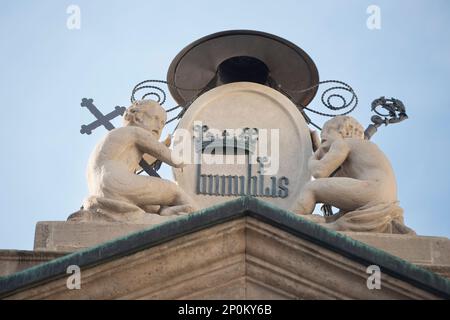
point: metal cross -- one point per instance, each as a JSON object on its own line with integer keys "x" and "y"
{"x": 102, "y": 120}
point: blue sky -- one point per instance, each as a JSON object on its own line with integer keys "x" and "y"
{"x": 45, "y": 70}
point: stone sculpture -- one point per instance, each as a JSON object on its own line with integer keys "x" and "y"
{"x": 116, "y": 192}
{"x": 353, "y": 175}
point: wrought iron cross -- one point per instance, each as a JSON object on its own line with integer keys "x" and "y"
{"x": 102, "y": 120}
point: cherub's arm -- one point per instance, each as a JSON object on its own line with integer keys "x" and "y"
{"x": 150, "y": 159}
{"x": 331, "y": 161}
{"x": 147, "y": 143}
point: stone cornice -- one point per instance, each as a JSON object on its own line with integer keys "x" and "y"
{"x": 236, "y": 209}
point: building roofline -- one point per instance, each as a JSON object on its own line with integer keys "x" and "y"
{"x": 235, "y": 209}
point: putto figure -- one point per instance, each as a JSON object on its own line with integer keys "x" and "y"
{"x": 353, "y": 175}
{"x": 116, "y": 192}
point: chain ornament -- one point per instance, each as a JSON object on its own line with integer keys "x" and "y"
{"x": 336, "y": 91}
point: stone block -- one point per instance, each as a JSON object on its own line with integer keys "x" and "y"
{"x": 12, "y": 261}
{"x": 67, "y": 236}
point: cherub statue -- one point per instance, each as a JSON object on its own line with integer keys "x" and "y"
{"x": 353, "y": 175}
{"x": 116, "y": 192}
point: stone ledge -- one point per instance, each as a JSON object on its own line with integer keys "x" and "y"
{"x": 243, "y": 258}
{"x": 154, "y": 236}
{"x": 421, "y": 250}
{"x": 441, "y": 270}
{"x": 63, "y": 236}
{"x": 68, "y": 236}
{"x": 12, "y": 261}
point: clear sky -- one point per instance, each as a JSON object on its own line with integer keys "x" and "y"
{"x": 45, "y": 70}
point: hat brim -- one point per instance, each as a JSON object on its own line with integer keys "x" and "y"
{"x": 196, "y": 65}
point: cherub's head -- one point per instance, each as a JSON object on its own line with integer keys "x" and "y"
{"x": 147, "y": 114}
{"x": 341, "y": 127}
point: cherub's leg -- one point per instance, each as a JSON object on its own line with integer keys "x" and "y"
{"x": 346, "y": 194}
{"x": 147, "y": 192}
{"x": 151, "y": 208}
{"x": 183, "y": 205}
{"x": 177, "y": 210}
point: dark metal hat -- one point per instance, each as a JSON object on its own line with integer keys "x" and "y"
{"x": 242, "y": 55}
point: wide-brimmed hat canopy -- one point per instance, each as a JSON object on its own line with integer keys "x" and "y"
{"x": 242, "y": 55}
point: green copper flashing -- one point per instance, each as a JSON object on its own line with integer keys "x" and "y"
{"x": 241, "y": 207}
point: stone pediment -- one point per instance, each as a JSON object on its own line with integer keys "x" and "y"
{"x": 243, "y": 249}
